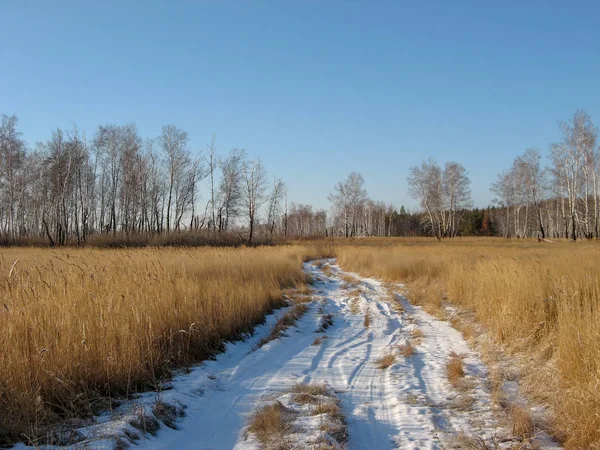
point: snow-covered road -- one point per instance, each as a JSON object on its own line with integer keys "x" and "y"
{"x": 410, "y": 404}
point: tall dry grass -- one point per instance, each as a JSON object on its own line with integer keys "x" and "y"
{"x": 82, "y": 327}
{"x": 540, "y": 300}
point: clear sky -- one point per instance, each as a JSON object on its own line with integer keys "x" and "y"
{"x": 316, "y": 88}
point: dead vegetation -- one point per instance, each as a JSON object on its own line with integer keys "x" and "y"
{"x": 275, "y": 425}
{"x": 394, "y": 301}
{"x": 168, "y": 413}
{"x": 416, "y": 335}
{"x": 325, "y": 323}
{"x": 522, "y": 423}
{"x": 308, "y": 393}
{"x": 367, "y": 320}
{"x": 272, "y": 423}
{"x": 286, "y": 321}
{"x": 349, "y": 279}
{"x": 455, "y": 371}
{"x": 406, "y": 350}
{"x": 144, "y": 422}
{"x": 319, "y": 340}
{"x": 386, "y": 361}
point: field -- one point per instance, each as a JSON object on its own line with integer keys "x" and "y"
{"x": 83, "y": 328}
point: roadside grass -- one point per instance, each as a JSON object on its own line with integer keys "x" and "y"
{"x": 533, "y": 299}
{"x": 286, "y": 321}
{"x": 83, "y": 327}
{"x": 522, "y": 424}
{"x": 367, "y": 320}
{"x": 350, "y": 280}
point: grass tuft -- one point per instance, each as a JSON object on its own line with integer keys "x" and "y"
{"x": 386, "y": 361}
{"x": 271, "y": 423}
{"x": 455, "y": 371}
{"x": 367, "y": 321}
{"x": 406, "y": 350}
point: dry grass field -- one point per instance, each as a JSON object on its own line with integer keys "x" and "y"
{"x": 84, "y": 327}
{"x": 81, "y": 327}
{"x": 538, "y": 300}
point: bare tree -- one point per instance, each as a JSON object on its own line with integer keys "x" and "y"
{"x": 230, "y": 193}
{"x": 275, "y": 198}
{"x": 12, "y": 157}
{"x": 441, "y": 194}
{"x": 531, "y": 177}
{"x": 255, "y": 188}
{"x": 570, "y": 157}
{"x": 457, "y": 195}
{"x": 348, "y": 198}
{"x": 212, "y": 164}
{"x": 506, "y": 197}
{"x": 174, "y": 144}
{"x": 425, "y": 185}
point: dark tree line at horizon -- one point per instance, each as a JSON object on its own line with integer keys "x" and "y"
{"x": 120, "y": 187}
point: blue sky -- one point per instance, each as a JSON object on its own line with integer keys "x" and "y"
{"x": 316, "y": 88}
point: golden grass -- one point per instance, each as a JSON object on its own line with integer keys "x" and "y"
{"x": 308, "y": 393}
{"x": 406, "y": 350}
{"x": 455, "y": 371}
{"x": 535, "y": 299}
{"x": 271, "y": 423}
{"x": 83, "y": 326}
{"x": 319, "y": 340}
{"x": 522, "y": 424}
{"x": 284, "y": 322}
{"x": 367, "y": 320}
{"x": 386, "y": 361}
{"x": 416, "y": 333}
{"x": 350, "y": 280}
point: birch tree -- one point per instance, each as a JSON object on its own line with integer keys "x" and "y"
{"x": 426, "y": 186}
{"x": 347, "y": 199}
{"x": 277, "y": 194}
{"x": 255, "y": 188}
{"x": 570, "y": 158}
{"x": 531, "y": 177}
{"x": 230, "y": 192}
{"x": 174, "y": 144}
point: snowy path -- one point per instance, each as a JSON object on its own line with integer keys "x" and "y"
{"x": 404, "y": 406}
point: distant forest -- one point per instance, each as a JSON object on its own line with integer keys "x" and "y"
{"x": 120, "y": 189}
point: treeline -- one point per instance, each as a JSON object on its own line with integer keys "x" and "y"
{"x": 118, "y": 188}
{"x": 558, "y": 199}
{"x": 69, "y": 189}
